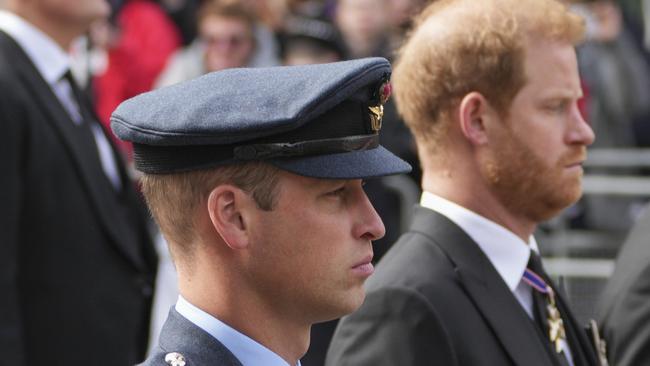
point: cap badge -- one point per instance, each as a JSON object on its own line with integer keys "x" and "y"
{"x": 377, "y": 112}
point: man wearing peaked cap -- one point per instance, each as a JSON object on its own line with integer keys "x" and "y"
{"x": 255, "y": 178}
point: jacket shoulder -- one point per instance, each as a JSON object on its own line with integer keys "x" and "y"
{"x": 182, "y": 343}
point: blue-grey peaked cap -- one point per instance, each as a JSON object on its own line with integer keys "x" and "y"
{"x": 312, "y": 120}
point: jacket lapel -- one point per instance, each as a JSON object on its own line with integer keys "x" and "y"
{"x": 197, "y": 346}
{"x": 86, "y": 162}
{"x": 487, "y": 290}
{"x": 585, "y": 354}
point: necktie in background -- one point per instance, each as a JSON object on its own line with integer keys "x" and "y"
{"x": 73, "y": 101}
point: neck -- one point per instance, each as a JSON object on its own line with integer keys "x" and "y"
{"x": 228, "y": 299}
{"x": 465, "y": 188}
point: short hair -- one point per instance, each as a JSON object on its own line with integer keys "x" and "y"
{"x": 227, "y": 9}
{"x": 174, "y": 199}
{"x": 461, "y": 46}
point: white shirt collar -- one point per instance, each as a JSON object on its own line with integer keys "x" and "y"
{"x": 247, "y": 351}
{"x": 48, "y": 57}
{"x": 506, "y": 251}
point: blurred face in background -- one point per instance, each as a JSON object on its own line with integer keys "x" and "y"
{"x": 74, "y": 16}
{"x": 307, "y": 51}
{"x": 269, "y": 12}
{"x": 304, "y": 56}
{"x": 402, "y": 11}
{"x": 362, "y": 20}
{"x": 228, "y": 42}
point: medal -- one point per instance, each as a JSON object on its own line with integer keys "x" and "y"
{"x": 556, "y": 331}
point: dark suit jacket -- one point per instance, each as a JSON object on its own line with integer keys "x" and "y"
{"x": 624, "y": 308}
{"x": 76, "y": 260}
{"x": 436, "y": 299}
{"x": 197, "y": 347}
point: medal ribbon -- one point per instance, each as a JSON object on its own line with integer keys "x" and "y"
{"x": 536, "y": 282}
{"x": 556, "y": 325}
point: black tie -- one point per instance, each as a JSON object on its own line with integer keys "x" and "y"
{"x": 78, "y": 97}
{"x": 541, "y": 304}
{"x": 87, "y": 124}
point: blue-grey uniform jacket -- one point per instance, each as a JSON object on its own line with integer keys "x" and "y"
{"x": 182, "y": 343}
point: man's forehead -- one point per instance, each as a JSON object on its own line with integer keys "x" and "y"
{"x": 551, "y": 64}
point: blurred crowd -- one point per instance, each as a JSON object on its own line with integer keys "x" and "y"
{"x": 147, "y": 44}
{"x": 614, "y": 64}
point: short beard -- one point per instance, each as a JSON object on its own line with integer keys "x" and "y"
{"x": 525, "y": 185}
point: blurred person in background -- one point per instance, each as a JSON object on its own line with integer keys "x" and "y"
{"x": 490, "y": 91}
{"x": 76, "y": 260}
{"x": 616, "y": 73}
{"x": 365, "y": 27}
{"x": 623, "y": 309}
{"x": 310, "y": 41}
{"x": 309, "y": 8}
{"x": 271, "y": 15}
{"x": 183, "y": 14}
{"x": 225, "y": 40}
{"x": 401, "y": 14}
{"x": 140, "y": 39}
{"x": 624, "y": 306}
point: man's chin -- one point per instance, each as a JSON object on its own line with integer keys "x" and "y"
{"x": 554, "y": 206}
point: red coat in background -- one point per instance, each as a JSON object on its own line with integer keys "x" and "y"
{"x": 146, "y": 39}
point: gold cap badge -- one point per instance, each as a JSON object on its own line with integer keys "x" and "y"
{"x": 377, "y": 112}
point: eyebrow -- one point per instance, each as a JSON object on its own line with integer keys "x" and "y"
{"x": 561, "y": 94}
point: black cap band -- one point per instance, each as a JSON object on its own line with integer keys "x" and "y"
{"x": 173, "y": 159}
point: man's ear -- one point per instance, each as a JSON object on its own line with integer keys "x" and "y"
{"x": 474, "y": 113}
{"x": 225, "y": 204}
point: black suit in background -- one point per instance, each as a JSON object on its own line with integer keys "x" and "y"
{"x": 76, "y": 259}
{"x": 624, "y": 307}
{"x": 435, "y": 299}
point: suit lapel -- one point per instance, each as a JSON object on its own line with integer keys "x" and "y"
{"x": 86, "y": 162}
{"x": 491, "y": 296}
{"x": 582, "y": 351}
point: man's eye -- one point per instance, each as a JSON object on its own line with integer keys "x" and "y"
{"x": 337, "y": 192}
{"x": 556, "y": 107}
